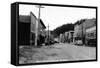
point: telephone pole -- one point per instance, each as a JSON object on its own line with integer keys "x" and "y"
{"x": 82, "y": 33}
{"x": 48, "y": 35}
{"x": 36, "y": 29}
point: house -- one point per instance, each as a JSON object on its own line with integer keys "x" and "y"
{"x": 91, "y": 32}
{"x": 80, "y": 28}
{"x": 27, "y": 28}
{"x": 69, "y": 36}
{"x": 61, "y": 38}
{"x": 90, "y": 36}
{"x": 66, "y": 36}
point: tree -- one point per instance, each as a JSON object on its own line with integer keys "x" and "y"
{"x": 62, "y": 29}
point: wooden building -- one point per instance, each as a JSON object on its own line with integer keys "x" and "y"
{"x": 81, "y": 29}
{"x": 26, "y": 28}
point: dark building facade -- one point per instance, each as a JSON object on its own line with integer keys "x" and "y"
{"x": 24, "y": 30}
{"x": 25, "y": 33}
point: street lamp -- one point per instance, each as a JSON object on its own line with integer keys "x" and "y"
{"x": 36, "y": 35}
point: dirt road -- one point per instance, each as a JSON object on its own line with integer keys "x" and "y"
{"x": 56, "y": 52}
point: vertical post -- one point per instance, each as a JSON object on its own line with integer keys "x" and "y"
{"x": 30, "y": 38}
{"x": 36, "y": 35}
{"x": 82, "y": 34}
{"x": 48, "y": 35}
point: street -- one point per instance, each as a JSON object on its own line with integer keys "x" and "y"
{"x": 56, "y": 52}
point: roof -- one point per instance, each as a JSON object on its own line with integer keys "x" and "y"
{"x": 27, "y": 19}
{"x": 87, "y": 23}
{"x": 79, "y": 22}
{"x": 42, "y": 23}
{"x": 90, "y": 23}
{"x": 24, "y": 18}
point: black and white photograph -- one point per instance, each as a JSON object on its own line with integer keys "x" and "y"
{"x": 49, "y": 33}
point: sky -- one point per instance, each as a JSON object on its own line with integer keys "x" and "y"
{"x": 57, "y": 16}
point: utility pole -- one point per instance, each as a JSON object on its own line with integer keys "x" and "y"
{"x": 48, "y": 35}
{"x": 36, "y": 29}
{"x": 82, "y": 34}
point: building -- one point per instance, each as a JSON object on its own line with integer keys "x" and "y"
{"x": 81, "y": 28}
{"x": 26, "y": 28}
{"x": 66, "y": 36}
{"x": 69, "y": 36}
{"x": 61, "y": 38}
{"x": 90, "y": 36}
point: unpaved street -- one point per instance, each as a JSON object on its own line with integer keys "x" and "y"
{"x": 56, "y": 52}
